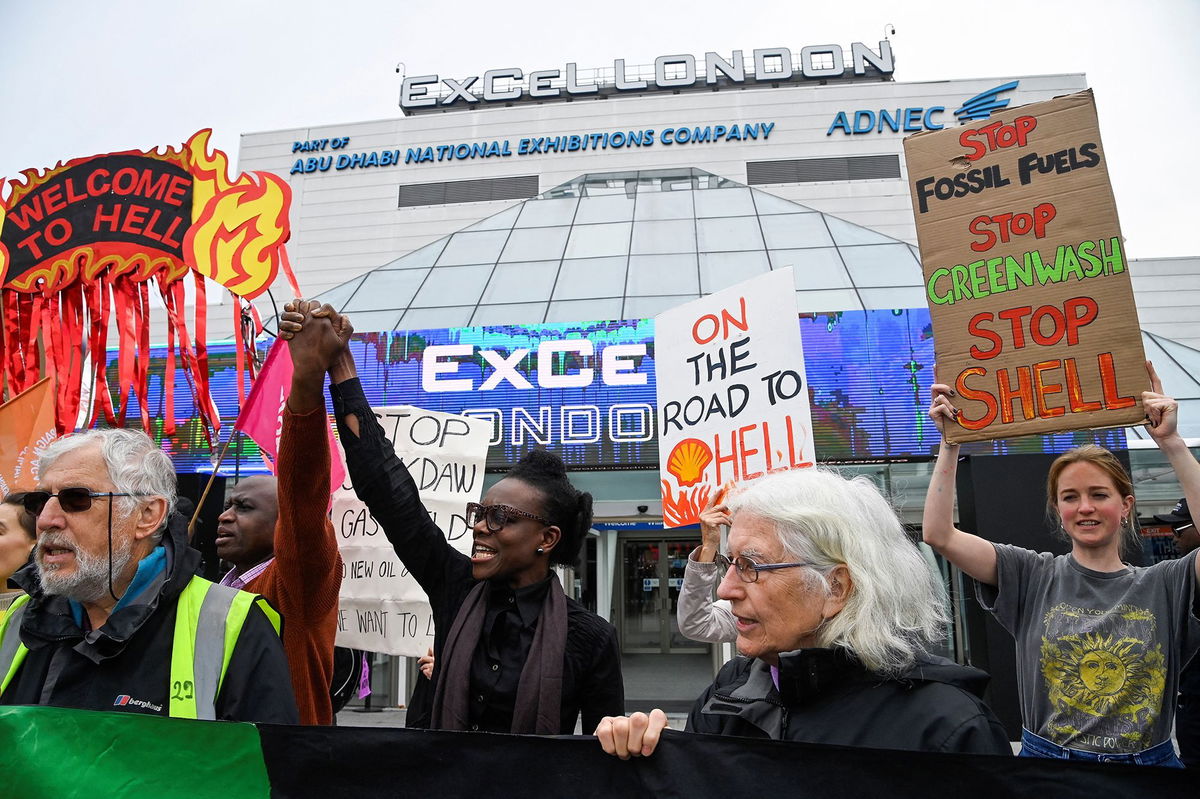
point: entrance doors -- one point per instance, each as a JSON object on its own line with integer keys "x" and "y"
{"x": 651, "y": 576}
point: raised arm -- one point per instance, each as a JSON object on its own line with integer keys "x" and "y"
{"x": 380, "y": 478}
{"x": 306, "y": 551}
{"x": 1162, "y": 423}
{"x": 974, "y": 555}
{"x": 700, "y": 617}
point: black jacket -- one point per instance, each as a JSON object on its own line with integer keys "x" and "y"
{"x": 125, "y": 665}
{"x": 592, "y": 661}
{"x": 827, "y": 697}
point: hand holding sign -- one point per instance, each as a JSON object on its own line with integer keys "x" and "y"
{"x": 941, "y": 411}
{"x": 1162, "y": 412}
{"x": 713, "y": 517}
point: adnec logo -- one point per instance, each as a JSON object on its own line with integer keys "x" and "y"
{"x": 917, "y": 118}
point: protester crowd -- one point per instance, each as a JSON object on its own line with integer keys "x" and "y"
{"x": 832, "y": 607}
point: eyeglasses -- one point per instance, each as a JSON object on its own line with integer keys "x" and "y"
{"x": 496, "y": 516}
{"x": 1180, "y": 529}
{"x": 748, "y": 570}
{"x": 72, "y": 500}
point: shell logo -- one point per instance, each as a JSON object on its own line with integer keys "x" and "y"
{"x": 688, "y": 460}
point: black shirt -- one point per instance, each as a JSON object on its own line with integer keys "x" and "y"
{"x": 508, "y": 627}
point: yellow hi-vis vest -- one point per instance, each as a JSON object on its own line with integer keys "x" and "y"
{"x": 208, "y": 620}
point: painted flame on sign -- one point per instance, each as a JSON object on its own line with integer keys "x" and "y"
{"x": 3, "y": 249}
{"x": 684, "y": 508}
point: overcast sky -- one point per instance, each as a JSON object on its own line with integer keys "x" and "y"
{"x": 82, "y": 77}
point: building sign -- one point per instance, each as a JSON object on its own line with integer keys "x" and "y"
{"x": 733, "y": 398}
{"x": 1025, "y": 273}
{"x": 914, "y": 119}
{"x": 585, "y": 390}
{"x": 669, "y": 136}
{"x": 671, "y": 73}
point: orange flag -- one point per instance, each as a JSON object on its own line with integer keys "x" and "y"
{"x": 26, "y": 425}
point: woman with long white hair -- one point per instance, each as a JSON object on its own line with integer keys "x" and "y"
{"x": 834, "y": 609}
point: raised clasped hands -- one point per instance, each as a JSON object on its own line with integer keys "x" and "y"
{"x": 316, "y": 334}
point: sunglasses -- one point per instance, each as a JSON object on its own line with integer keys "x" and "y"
{"x": 496, "y": 516}
{"x": 748, "y": 569}
{"x": 1180, "y": 529}
{"x": 72, "y": 500}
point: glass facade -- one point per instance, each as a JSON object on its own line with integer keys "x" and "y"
{"x": 627, "y": 245}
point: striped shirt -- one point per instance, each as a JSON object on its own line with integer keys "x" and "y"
{"x": 239, "y": 581}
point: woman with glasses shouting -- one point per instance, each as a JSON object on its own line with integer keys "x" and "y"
{"x": 512, "y": 653}
{"x": 833, "y": 608}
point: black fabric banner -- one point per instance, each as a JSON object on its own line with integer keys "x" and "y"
{"x": 372, "y": 762}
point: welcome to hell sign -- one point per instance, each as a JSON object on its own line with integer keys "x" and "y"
{"x": 1025, "y": 273}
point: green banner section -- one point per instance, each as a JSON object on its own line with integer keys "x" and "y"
{"x": 50, "y": 752}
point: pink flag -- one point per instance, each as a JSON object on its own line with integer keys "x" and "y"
{"x": 262, "y": 415}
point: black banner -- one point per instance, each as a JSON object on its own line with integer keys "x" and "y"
{"x": 369, "y": 762}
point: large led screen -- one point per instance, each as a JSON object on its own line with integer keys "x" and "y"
{"x": 586, "y": 390}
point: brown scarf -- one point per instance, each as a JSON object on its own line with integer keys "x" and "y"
{"x": 539, "y": 692}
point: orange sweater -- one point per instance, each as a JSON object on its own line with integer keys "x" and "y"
{"x": 303, "y": 581}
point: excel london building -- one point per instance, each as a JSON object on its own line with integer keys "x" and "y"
{"x": 556, "y": 208}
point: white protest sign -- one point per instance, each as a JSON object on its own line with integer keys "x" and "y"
{"x": 732, "y": 393}
{"x": 381, "y": 608}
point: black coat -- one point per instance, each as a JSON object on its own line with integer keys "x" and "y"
{"x": 125, "y": 665}
{"x": 827, "y": 697}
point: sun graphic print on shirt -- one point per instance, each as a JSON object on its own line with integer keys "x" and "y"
{"x": 1104, "y": 681}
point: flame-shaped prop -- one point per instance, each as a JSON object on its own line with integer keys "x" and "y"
{"x": 81, "y": 242}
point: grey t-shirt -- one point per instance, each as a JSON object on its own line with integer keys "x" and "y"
{"x": 1097, "y": 652}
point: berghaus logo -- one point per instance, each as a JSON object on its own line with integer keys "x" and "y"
{"x": 126, "y": 700}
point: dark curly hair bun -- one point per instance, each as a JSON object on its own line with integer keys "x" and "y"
{"x": 566, "y": 508}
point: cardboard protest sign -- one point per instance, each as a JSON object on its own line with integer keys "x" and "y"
{"x": 382, "y": 609}
{"x": 732, "y": 393}
{"x": 1025, "y": 272}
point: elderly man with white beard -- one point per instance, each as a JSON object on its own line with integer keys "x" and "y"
{"x": 116, "y": 618}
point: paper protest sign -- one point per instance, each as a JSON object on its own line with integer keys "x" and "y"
{"x": 732, "y": 394}
{"x": 381, "y": 608}
{"x": 1026, "y": 274}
